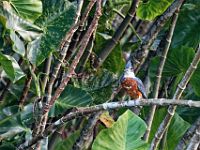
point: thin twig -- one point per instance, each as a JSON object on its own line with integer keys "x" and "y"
{"x": 117, "y": 35}
{"x": 138, "y": 57}
{"x": 77, "y": 34}
{"x": 86, "y": 54}
{"x": 159, "y": 73}
{"x": 171, "y": 110}
{"x": 25, "y": 89}
{"x": 47, "y": 68}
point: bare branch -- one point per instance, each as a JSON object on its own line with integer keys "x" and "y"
{"x": 107, "y": 106}
{"x": 159, "y": 73}
{"x": 171, "y": 110}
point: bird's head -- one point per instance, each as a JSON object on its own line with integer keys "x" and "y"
{"x": 128, "y": 71}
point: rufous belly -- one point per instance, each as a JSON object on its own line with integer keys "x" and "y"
{"x": 131, "y": 88}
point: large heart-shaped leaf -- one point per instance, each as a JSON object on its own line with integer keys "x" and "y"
{"x": 125, "y": 134}
{"x": 152, "y": 8}
{"x": 70, "y": 97}
{"x": 11, "y": 67}
{"x": 56, "y": 20}
{"x": 178, "y": 61}
{"x": 28, "y": 9}
{"x": 187, "y": 28}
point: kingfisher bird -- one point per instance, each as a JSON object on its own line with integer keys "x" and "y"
{"x": 132, "y": 85}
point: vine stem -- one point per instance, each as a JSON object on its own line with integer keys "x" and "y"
{"x": 171, "y": 110}
{"x": 159, "y": 74}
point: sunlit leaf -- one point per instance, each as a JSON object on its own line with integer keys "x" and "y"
{"x": 125, "y": 134}
{"x": 106, "y": 119}
{"x": 19, "y": 29}
{"x": 28, "y": 9}
{"x": 152, "y": 8}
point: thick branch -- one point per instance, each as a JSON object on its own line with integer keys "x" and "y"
{"x": 171, "y": 110}
{"x": 107, "y": 106}
{"x": 159, "y": 73}
{"x": 138, "y": 57}
{"x": 117, "y": 35}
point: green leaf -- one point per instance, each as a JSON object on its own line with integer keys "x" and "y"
{"x": 187, "y": 28}
{"x": 70, "y": 97}
{"x": 19, "y": 29}
{"x": 178, "y": 61}
{"x": 68, "y": 142}
{"x": 7, "y": 146}
{"x": 11, "y": 67}
{"x": 152, "y": 8}
{"x": 14, "y": 121}
{"x": 125, "y": 134}
{"x": 55, "y": 22}
{"x": 176, "y": 129}
{"x": 28, "y": 9}
{"x": 195, "y": 80}
{"x": 99, "y": 85}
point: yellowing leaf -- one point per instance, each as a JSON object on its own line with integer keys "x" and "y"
{"x": 106, "y": 119}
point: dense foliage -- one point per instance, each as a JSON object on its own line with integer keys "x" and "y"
{"x": 32, "y": 33}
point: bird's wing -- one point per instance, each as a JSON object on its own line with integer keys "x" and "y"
{"x": 141, "y": 87}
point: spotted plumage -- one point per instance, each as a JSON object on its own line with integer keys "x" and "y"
{"x": 132, "y": 85}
